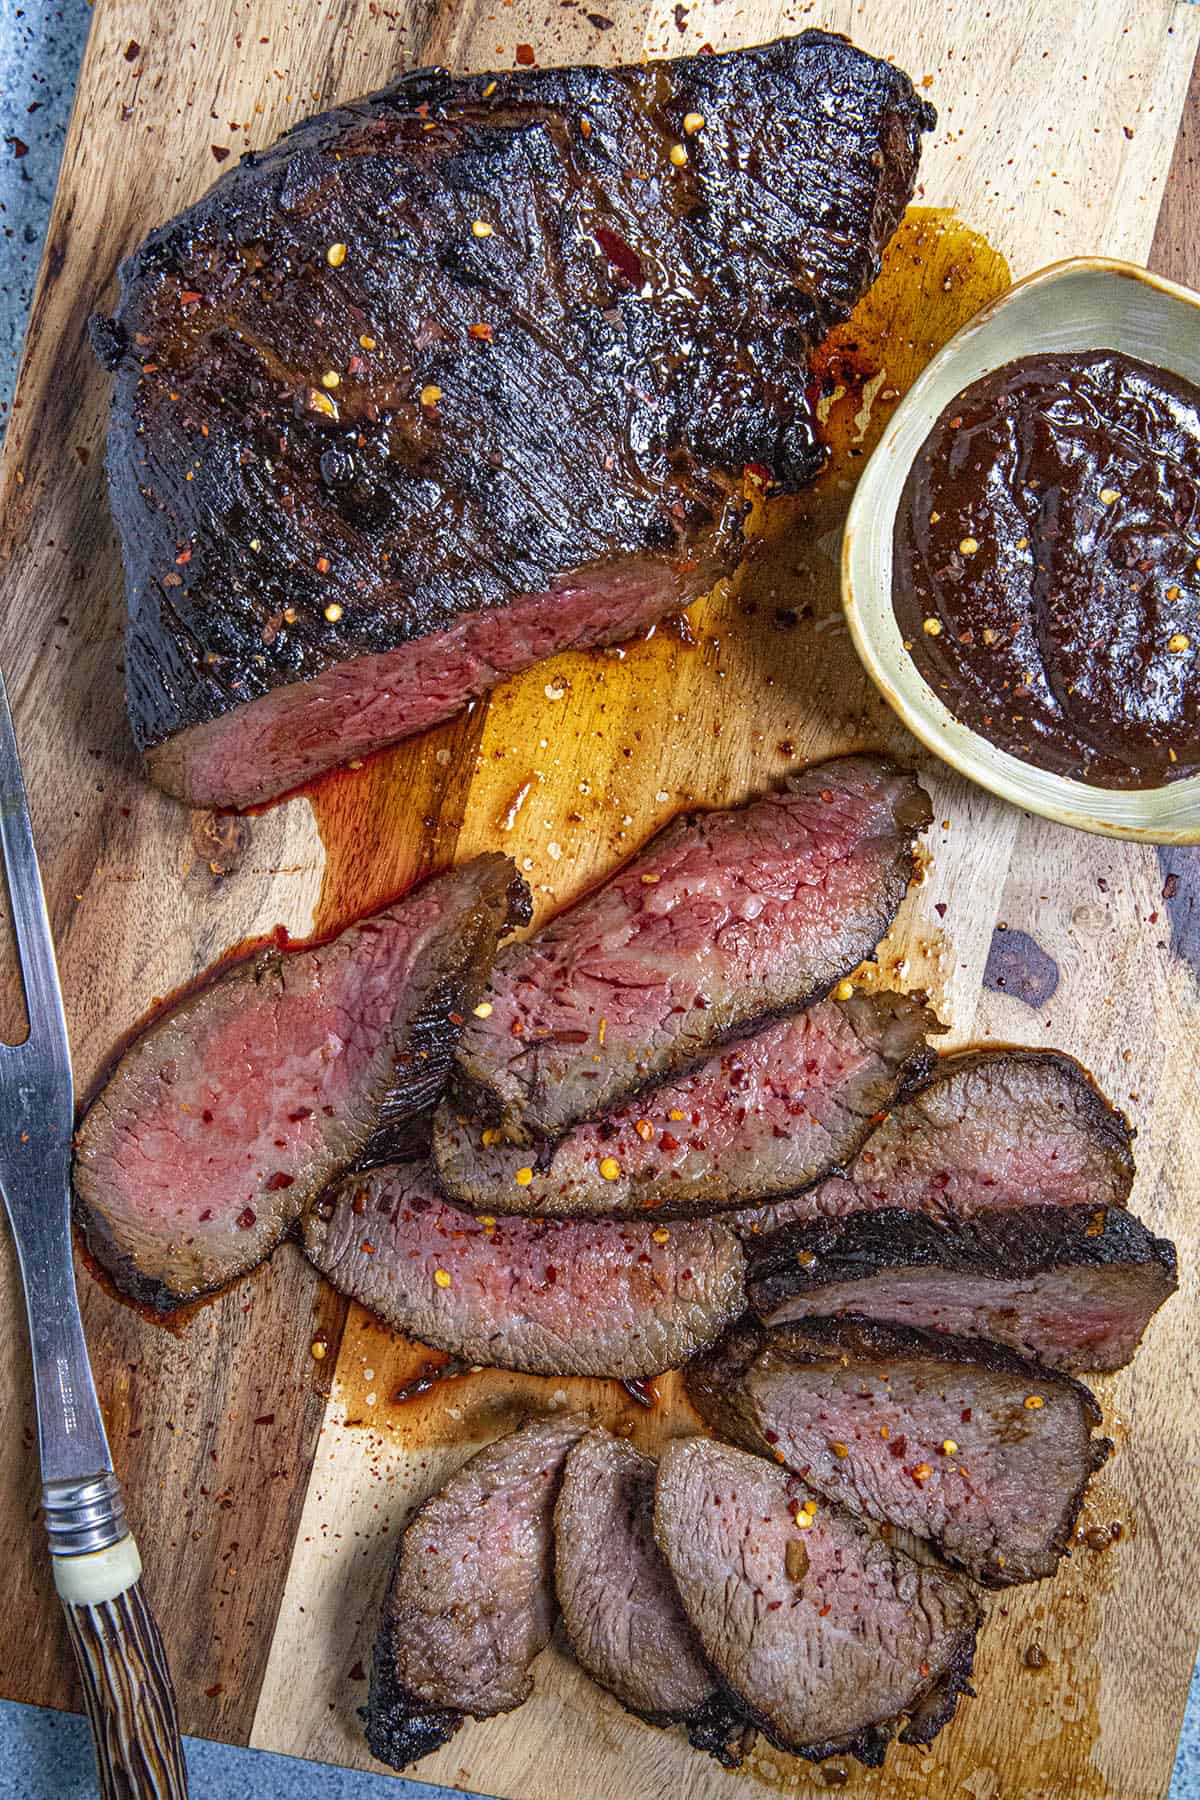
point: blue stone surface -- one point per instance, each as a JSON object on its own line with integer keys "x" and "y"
{"x": 46, "y": 1755}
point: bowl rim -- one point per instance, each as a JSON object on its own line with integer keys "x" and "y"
{"x": 1067, "y": 801}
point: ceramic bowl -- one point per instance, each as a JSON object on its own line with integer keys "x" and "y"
{"x": 1086, "y": 304}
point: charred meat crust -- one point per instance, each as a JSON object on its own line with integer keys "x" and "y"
{"x": 801, "y": 1261}
{"x": 511, "y": 410}
{"x": 713, "y": 1382}
{"x": 401, "y": 1728}
{"x": 720, "y": 1727}
{"x": 1010, "y": 1243}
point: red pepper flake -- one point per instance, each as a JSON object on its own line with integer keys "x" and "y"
{"x": 185, "y": 556}
{"x": 188, "y": 297}
{"x": 322, "y": 565}
{"x": 482, "y": 331}
{"x": 220, "y": 152}
{"x": 824, "y": 1612}
{"x": 247, "y": 1217}
{"x": 132, "y": 50}
{"x": 279, "y": 1181}
{"x": 525, "y": 56}
{"x": 367, "y": 1248}
{"x": 206, "y": 1214}
{"x": 217, "y": 1687}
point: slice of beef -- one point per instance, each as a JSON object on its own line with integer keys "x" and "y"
{"x": 828, "y": 1634}
{"x": 762, "y": 1117}
{"x": 401, "y": 406}
{"x": 571, "y": 1298}
{"x": 725, "y": 919}
{"x": 992, "y": 1130}
{"x": 1073, "y": 1286}
{"x": 983, "y": 1453}
{"x": 234, "y": 1110}
{"x": 619, "y": 1606}
{"x": 471, "y": 1599}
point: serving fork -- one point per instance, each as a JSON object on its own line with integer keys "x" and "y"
{"x": 97, "y": 1570}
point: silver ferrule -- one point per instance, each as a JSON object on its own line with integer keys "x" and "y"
{"x": 84, "y": 1516}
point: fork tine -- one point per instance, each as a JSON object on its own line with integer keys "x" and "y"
{"x": 31, "y": 923}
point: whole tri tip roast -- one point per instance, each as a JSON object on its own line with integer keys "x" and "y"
{"x": 572, "y": 1297}
{"x": 622, "y": 1615}
{"x": 766, "y": 1116}
{"x": 231, "y": 1114}
{"x": 471, "y": 1599}
{"x": 990, "y": 1131}
{"x": 725, "y": 920}
{"x": 400, "y": 407}
{"x": 983, "y": 1453}
{"x": 827, "y": 1634}
{"x": 1073, "y": 1286}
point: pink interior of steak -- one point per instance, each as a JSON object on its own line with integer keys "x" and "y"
{"x": 947, "y": 1451}
{"x": 721, "y": 920}
{"x": 786, "y": 1084}
{"x": 1070, "y": 1318}
{"x": 193, "y": 1149}
{"x": 571, "y": 1297}
{"x": 823, "y": 1641}
{"x": 294, "y": 732}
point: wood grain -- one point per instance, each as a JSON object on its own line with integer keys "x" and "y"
{"x": 265, "y": 1515}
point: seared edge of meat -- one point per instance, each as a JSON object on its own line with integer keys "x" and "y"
{"x": 798, "y": 1271}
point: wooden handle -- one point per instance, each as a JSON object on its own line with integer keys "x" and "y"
{"x": 126, "y": 1683}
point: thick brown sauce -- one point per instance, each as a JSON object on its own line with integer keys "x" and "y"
{"x": 1046, "y": 570}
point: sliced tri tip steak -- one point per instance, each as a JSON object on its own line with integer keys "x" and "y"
{"x": 468, "y": 372}
{"x": 233, "y": 1111}
{"x": 622, "y": 1614}
{"x": 981, "y": 1452}
{"x": 471, "y": 1599}
{"x": 829, "y": 1635}
{"x": 991, "y": 1130}
{"x": 1073, "y": 1286}
{"x": 571, "y": 1297}
{"x": 764, "y": 1117}
{"x": 725, "y": 920}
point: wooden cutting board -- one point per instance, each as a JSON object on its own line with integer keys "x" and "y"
{"x": 265, "y": 1484}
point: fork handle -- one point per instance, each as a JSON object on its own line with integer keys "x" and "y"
{"x": 126, "y": 1682}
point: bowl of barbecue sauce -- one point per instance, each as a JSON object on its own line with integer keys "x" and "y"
{"x": 1021, "y": 564}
